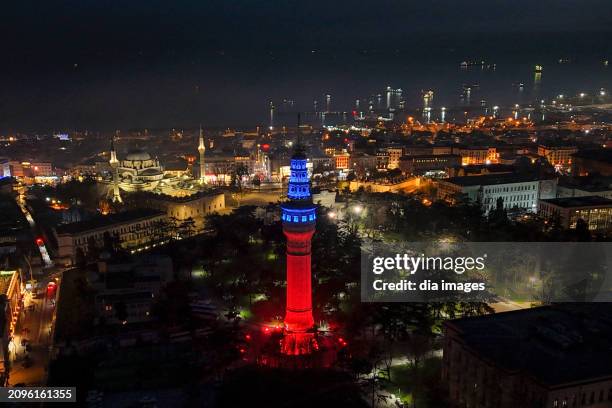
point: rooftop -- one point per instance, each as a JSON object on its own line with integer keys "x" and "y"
{"x": 103, "y": 221}
{"x": 491, "y": 179}
{"x": 556, "y": 345}
{"x": 183, "y": 199}
{"x": 557, "y": 145}
{"x": 604, "y": 155}
{"x": 587, "y": 183}
{"x": 138, "y": 155}
{"x": 587, "y": 201}
{"x": 429, "y": 156}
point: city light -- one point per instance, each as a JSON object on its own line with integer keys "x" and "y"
{"x": 291, "y": 255}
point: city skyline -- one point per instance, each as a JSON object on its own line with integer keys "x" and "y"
{"x": 152, "y": 65}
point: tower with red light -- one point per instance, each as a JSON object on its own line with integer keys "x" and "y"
{"x": 299, "y": 221}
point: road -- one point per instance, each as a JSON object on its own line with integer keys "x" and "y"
{"x": 35, "y": 327}
{"x": 35, "y": 323}
{"x": 505, "y": 305}
{"x": 40, "y": 243}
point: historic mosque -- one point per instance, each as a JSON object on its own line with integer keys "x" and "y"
{"x": 139, "y": 171}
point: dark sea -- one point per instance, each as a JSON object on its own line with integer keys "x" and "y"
{"x": 184, "y": 86}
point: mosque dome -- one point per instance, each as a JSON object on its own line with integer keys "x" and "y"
{"x": 138, "y": 154}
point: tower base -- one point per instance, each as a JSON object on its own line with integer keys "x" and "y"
{"x": 298, "y": 344}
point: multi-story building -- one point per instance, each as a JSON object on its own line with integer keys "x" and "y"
{"x": 16, "y": 169}
{"x": 516, "y": 191}
{"x": 421, "y": 164}
{"x": 382, "y": 160}
{"x": 594, "y": 210}
{"x": 322, "y": 163}
{"x": 363, "y": 161}
{"x": 549, "y": 357}
{"x": 85, "y": 168}
{"x": 591, "y": 162}
{"x": 10, "y": 290}
{"x": 473, "y": 154}
{"x": 395, "y": 154}
{"x": 195, "y": 207}
{"x": 492, "y": 155}
{"x": 557, "y": 155}
{"x": 127, "y": 290}
{"x": 5, "y": 167}
{"x": 342, "y": 160}
{"x": 133, "y": 229}
{"x": 216, "y": 166}
{"x": 41, "y": 169}
{"x": 30, "y": 169}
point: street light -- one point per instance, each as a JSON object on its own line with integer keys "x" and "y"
{"x": 357, "y": 209}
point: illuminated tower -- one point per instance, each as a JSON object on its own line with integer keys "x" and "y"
{"x": 114, "y": 163}
{"x": 202, "y": 150}
{"x": 428, "y": 99}
{"x": 299, "y": 219}
{"x": 271, "y": 127}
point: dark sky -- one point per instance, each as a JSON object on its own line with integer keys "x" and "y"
{"x": 64, "y": 62}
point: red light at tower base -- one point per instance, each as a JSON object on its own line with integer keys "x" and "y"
{"x": 299, "y": 344}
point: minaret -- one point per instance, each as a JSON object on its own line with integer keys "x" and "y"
{"x": 202, "y": 150}
{"x": 299, "y": 219}
{"x": 114, "y": 163}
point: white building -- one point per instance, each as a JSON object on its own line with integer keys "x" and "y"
{"x": 133, "y": 229}
{"x": 516, "y": 191}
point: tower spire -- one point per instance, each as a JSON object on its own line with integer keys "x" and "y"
{"x": 202, "y": 150}
{"x": 300, "y": 150}
{"x": 299, "y": 131}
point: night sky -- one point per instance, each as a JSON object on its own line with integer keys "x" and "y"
{"x": 121, "y": 64}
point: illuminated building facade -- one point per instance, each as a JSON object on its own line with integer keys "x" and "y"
{"x": 594, "y": 210}
{"x": 395, "y": 153}
{"x": 299, "y": 219}
{"x": 474, "y": 154}
{"x": 557, "y": 155}
{"x": 516, "y": 191}
{"x": 342, "y": 160}
{"x": 134, "y": 229}
{"x": 11, "y": 290}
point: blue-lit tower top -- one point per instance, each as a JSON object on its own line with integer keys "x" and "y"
{"x": 299, "y": 209}
{"x": 299, "y": 182}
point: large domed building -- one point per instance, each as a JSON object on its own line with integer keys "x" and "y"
{"x": 139, "y": 172}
